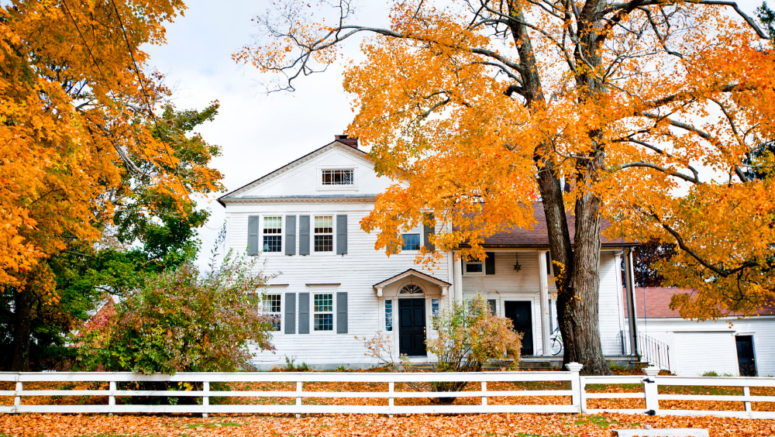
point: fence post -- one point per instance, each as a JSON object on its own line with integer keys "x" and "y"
{"x": 112, "y": 395}
{"x": 298, "y": 397}
{"x": 17, "y": 400}
{"x": 391, "y": 402}
{"x": 205, "y": 398}
{"x": 484, "y": 389}
{"x": 746, "y": 393}
{"x": 575, "y": 385}
{"x": 651, "y": 389}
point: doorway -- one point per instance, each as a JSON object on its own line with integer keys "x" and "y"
{"x": 521, "y": 315}
{"x": 745, "y": 358}
{"x": 411, "y": 331}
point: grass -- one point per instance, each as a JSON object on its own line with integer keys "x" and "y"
{"x": 212, "y": 425}
{"x": 602, "y": 422}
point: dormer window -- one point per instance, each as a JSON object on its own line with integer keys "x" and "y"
{"x": 336, "y": 177}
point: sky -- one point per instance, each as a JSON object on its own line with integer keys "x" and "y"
{"x": 257, "y": 132}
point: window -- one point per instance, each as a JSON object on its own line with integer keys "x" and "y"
{"x": 411, "y": 239}
{"x": 474, "y": 268}
{"x": 435, "y": 313}
{"x": 338, "y": 177}
{"x": 273, "y": 229}
{"x": 324, "y": 233}
{"x": 324, "y": 312}
{"x": 411, "y": 289}
{"x": 388, "y": 315}
{"x": 273, "y": 306}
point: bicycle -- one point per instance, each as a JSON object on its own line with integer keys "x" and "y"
{"x": 556, "y": 347}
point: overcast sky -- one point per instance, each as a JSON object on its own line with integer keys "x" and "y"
{"x": 258, "y": 133}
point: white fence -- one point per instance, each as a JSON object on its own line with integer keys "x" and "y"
{"x": 577, "y": 393}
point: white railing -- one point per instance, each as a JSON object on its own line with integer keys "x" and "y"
{"x": 579, "y": 394}
{"x": 650, "y": 350}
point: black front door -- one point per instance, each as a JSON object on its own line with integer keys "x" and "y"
{"x": 411, "y": 333}
{"x": 521, "y": 316}
{"x": 745, "y": 358}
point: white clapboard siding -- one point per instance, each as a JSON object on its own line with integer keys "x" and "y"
{"x": 701, "y": 338}
{"x": 356, "y": 272}
{"x": 698, "y": 352}
{"x": 610, "y": 307}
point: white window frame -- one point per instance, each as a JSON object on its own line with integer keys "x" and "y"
{"x": 279, "y": 313}
{"x": 313, "y": 312}
{"x": 333, "y": 234}
{"x": 467, "y": 273}
{"x": 319, "y": 178}
{"x": 261, "y": 234}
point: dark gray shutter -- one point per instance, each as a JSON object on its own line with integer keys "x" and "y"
{"x": 252, "y": 235}
{"x": 341, "y": 234}
{"x": 290, "y": 313}
{"x": 489, "y": 264}
{"x": 290, "y": 235}
{"x": 303, "y": 313}
{"x": 493, "y": 306}
{"x": 548, "y": 263}
{"x": 303, "y": 235}
{"x": 427, "y": 232}
{"x": 341, "y": 313}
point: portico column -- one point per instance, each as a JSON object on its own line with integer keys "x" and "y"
{"x": 632, "y": 314}
{"x": 457, "y": 270}
{"x": 543, "y": 283}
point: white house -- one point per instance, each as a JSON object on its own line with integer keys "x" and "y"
{"x": 731, "y": 346}
{"x": 304, "y": 218}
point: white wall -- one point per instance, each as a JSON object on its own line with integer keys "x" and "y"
{"x": 303, "y": 178}
{"x": 696, "y": 348}
{"x": 610, "y": 306}
{"x": 356, "y": 272}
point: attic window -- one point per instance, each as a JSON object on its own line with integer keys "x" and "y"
{"x": 338, "y": 177}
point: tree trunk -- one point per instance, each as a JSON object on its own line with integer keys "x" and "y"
{"x": 22, "y": 330}
{"x": 576, "y": 266}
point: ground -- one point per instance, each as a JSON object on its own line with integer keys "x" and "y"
{"x": 512, "y": 425}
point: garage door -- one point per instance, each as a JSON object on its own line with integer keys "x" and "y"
{"x": 695, "y": 353}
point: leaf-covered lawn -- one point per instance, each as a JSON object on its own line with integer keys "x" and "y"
{"x": 512, "y": 425}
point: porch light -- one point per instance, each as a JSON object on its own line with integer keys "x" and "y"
{"x": 517, "y": 267}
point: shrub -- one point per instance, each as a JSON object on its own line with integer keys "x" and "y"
{"x": 469, "y": 336}
{"x": 184, "y": 321}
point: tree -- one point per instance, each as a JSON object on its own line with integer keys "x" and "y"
{"x": 484, "y": 106}
{"x": 80, "y": 136}
{"x": 767, "y": 17}
{"x": 645, "y": 259}
{"x": 184, "y": 321}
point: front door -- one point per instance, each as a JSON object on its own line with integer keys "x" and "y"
{"x": 745, "y": 358}
{"x": 521, "y": 317}
{"x": 411, "y": 331}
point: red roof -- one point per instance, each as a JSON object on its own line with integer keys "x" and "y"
{"x": 657, "y": 303}
{"x": 538, "y": 236}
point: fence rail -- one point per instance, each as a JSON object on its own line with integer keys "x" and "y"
{"x": 578, "y": 393}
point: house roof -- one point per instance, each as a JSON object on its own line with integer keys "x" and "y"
{"x": 654, "y": 303}
{"x": 412, "y": 272}
{"x": 538, "y": 236}
{"x": 341, "y": 140}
